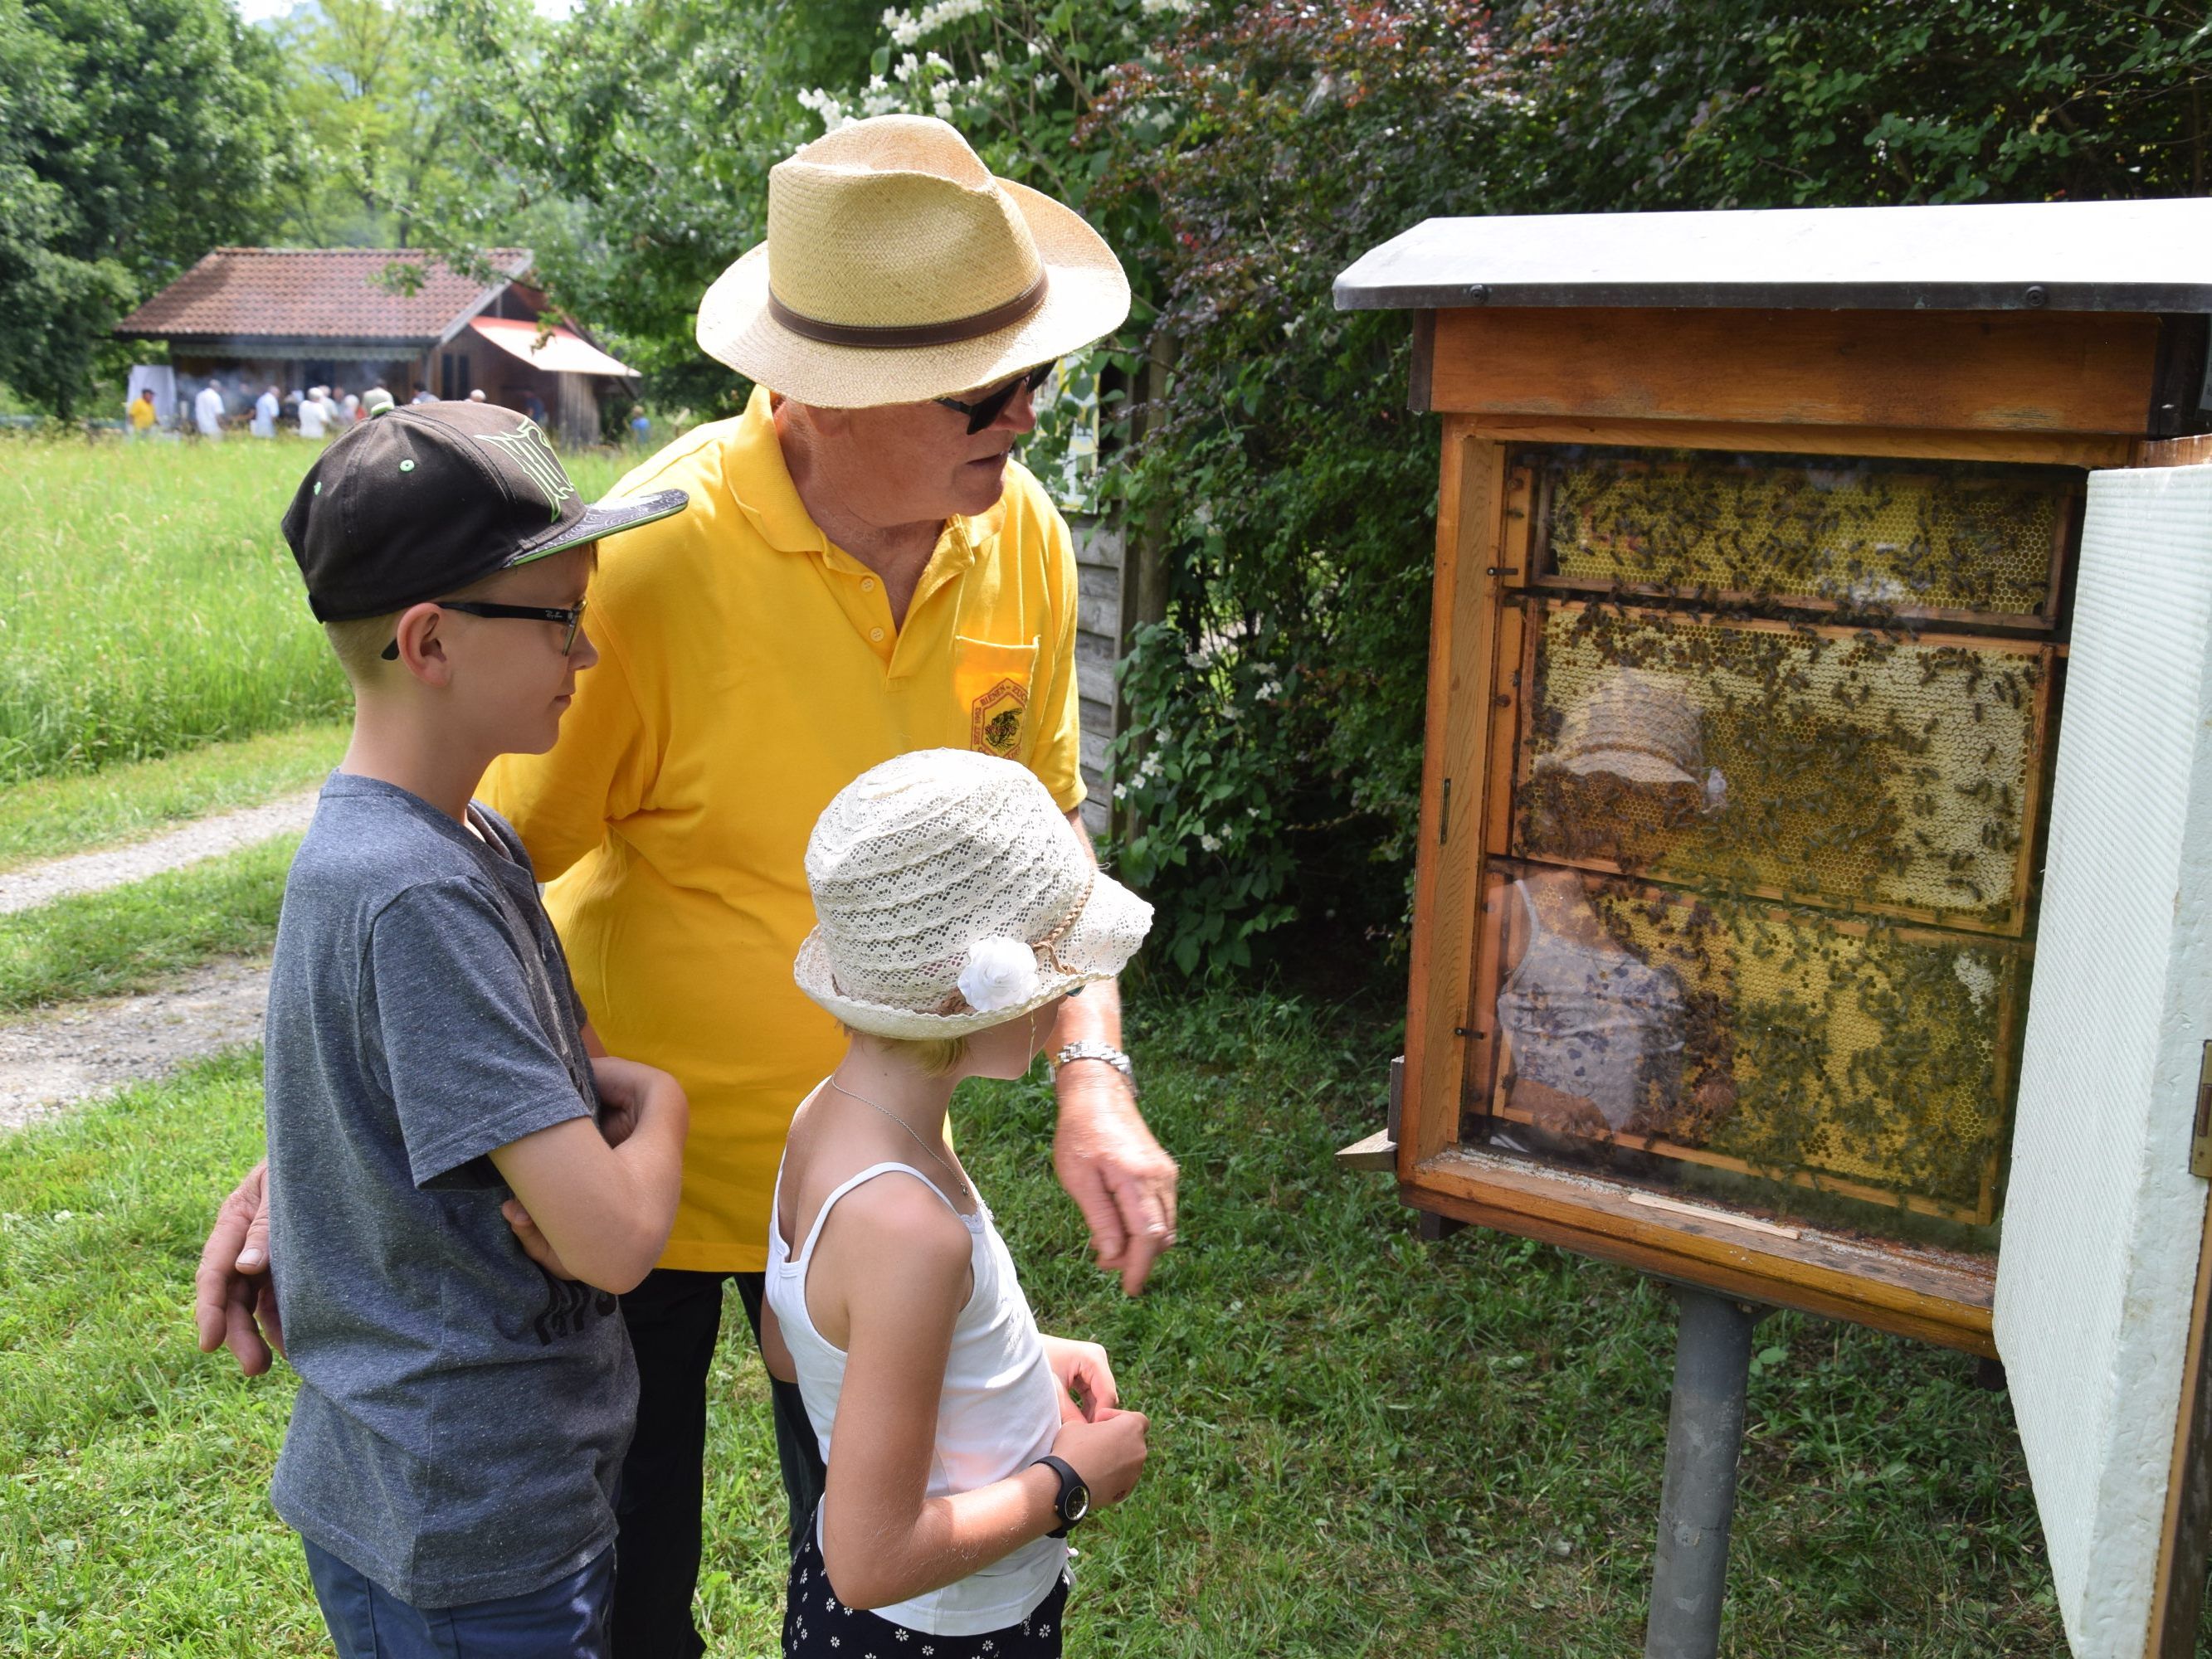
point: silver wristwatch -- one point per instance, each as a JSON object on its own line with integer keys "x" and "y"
{"x": 1091, "y": 1049}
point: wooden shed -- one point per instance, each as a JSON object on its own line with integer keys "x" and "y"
{"x": 1814, "y": 906}
{"x": 295, "y": 318}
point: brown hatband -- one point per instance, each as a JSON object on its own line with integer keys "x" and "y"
{"x": 901, "y": 337}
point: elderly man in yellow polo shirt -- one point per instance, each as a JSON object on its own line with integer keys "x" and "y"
{"x": 863, "y": 570}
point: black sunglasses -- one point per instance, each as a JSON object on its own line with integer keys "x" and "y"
{"x": 992, "y": 404}
{"x": 573, "y": 619}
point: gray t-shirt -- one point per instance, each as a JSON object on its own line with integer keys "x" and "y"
{"x": 461, "y": 1413}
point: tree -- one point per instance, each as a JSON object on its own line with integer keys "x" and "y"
{"x": 1748, "y": 103}
{"x": 134, "y": 135}
{"x": 637, "y": 135}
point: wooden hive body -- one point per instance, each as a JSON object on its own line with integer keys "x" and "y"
{"x": 1826, "y": 546}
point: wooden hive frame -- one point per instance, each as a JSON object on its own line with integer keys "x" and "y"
{"x": 2071, "y": 389}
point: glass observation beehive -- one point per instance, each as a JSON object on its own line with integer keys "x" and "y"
{"x": 1809, "y": 902}
{"x": 1756, "y": 541}
{"x": 1758, "y": 898}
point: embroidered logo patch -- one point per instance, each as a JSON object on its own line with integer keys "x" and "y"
{"x": 996, "y": 719}
{"x": 527, "y": 448}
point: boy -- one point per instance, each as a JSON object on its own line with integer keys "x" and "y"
{"x": 461, "y": 1412}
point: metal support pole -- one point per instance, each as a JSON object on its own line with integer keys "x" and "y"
{"x": 1705, "y": 1433}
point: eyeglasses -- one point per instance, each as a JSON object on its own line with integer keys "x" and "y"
{"x": 992, "y": 404}
{"x": 573, "y": 619}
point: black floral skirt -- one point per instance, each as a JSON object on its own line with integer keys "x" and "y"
{"x": 817, "y": 1625}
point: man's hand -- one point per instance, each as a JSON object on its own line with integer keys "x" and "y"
{"x": 1114, "y": 1170}
{"x": 234, "y": 1300}
{"x": 1086, "y": 1378}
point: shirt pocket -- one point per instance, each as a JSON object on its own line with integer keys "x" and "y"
{"x": 991, "y": 687}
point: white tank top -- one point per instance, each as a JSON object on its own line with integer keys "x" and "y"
{"x": 998, "y": 1413}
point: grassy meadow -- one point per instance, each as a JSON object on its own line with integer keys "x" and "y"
{"x": 1362, "y": 1445}
{"x": 148, "y": 603}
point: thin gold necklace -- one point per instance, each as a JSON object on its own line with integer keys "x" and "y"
{"x": 908, "y": 1127}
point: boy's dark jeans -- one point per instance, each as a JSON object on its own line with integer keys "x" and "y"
{"x": 674, "y": 1318}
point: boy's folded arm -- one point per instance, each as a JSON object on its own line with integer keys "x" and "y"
{"x": 606, "y": 1210}
{"x": 884, "y": 1540}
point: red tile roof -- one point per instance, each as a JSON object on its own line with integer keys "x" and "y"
{"x": 295, "y": 294}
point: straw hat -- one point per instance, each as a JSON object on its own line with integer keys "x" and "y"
{"x": 1637, "y": 726}
{"x": 897, "y": 269}
{"x": 951, "y": 896}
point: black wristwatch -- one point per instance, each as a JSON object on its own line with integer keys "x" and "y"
{"x": 1074, "y": 1500}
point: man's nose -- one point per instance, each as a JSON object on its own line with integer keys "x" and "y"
{"x": 1019, "y": 415}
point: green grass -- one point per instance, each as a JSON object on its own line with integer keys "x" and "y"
{"x": 1362, "y": 1445}
{"x": 148, "y": 604}
{"x": 52, "y": 818}
{"x": 132, "y": 937}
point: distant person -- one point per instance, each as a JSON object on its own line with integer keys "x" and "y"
{"x": 423, "y": 395}
{"x": 142, "y": 412}
{"x": 265, "y": 411}
{"x": 461, "y": 1412}
{"x": 641, "y": 427}
{"x": 207, "y": 410}
{"x": 376, "y": 401}
{"x": 315, "y": 414}
{"x": 534, "y": 406}
{"x": 348, "y": 407}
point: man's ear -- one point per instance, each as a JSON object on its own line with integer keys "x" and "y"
{"x": 422, "y": 650}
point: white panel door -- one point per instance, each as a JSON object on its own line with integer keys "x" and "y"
{"x": 2102, "y": 1220}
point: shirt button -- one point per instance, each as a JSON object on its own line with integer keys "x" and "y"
{"x": 868, "y": 584}
{"x": 877, "y": 634}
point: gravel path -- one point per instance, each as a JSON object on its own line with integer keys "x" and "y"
{"x": 52, "y": 1059}
{"x": 204, "y": 838}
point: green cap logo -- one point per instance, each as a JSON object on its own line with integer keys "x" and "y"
{"x": 527, "y": 449}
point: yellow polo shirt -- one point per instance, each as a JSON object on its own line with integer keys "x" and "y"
{"x": 748, "y": 671}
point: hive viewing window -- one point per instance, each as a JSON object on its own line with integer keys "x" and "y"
{"x": 1758, "y": 898}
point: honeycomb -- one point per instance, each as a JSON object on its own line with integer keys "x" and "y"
{"x": 1793, "y": 1043}
{"x": 1863, "y": 770}
{"x": 1872, "y": 536}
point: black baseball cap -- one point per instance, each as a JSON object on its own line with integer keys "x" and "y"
{"x": 419, "y": 502}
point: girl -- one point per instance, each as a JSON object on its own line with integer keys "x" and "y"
{"x": 957, "y": 908}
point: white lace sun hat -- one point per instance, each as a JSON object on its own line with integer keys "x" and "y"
{"x": 951, "y": 894}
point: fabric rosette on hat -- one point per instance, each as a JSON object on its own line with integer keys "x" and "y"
{"x": 951, "y": 894}
{"x": 898, "y": 269}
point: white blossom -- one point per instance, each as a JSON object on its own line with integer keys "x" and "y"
{"x": 827, "y": 106}
{"x": 903, "y": 70}
{"x": 1000, "y": 973}
{"x": 1209, "y": 841}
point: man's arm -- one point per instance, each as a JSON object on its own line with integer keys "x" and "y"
{"x": 1105, "y": 1154}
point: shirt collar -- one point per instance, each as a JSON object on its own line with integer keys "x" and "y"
{"x": 760, "y": 482}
